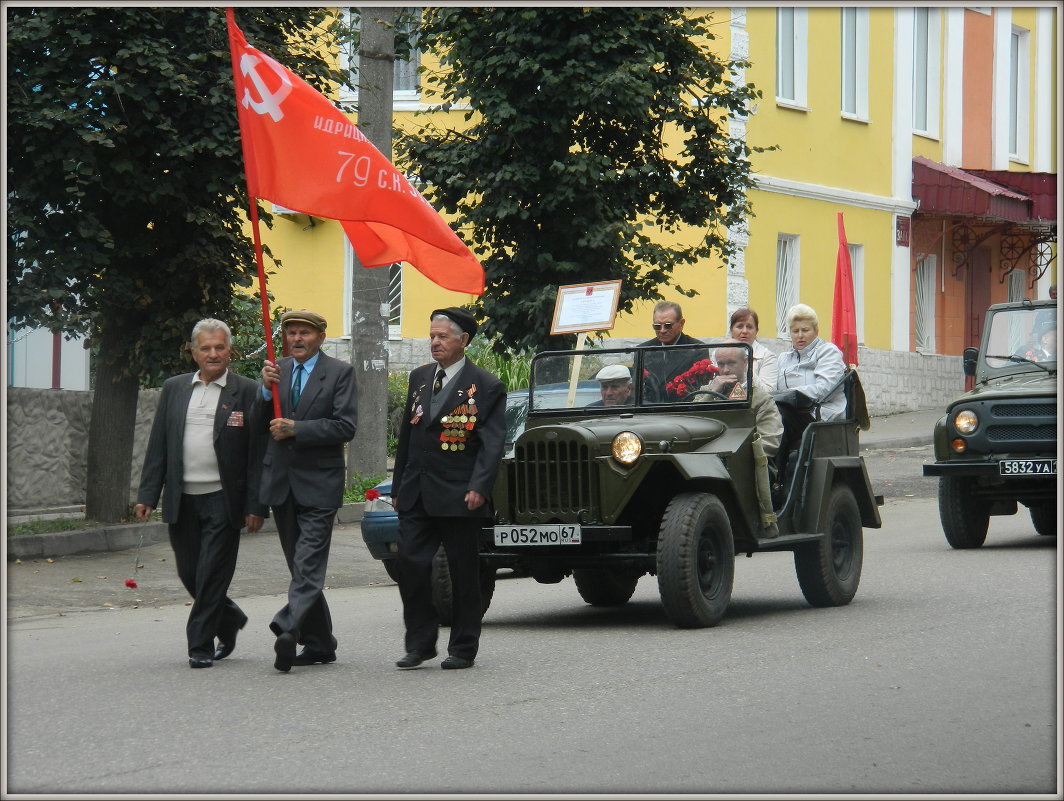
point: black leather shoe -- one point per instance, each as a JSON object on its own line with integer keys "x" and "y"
{"x": 200, "y": 661}
{"x": 285, "y": 648}
{"x": 413, "y": 659}
{"x": 308, "y": 657}
{"x": 227, "y": 642}
{"x": 456, "y": 663}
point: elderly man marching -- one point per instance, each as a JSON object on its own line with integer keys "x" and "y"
{"x": 450, "y": 446}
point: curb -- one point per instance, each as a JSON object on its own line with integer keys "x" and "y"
{"x": 122, "y": 537}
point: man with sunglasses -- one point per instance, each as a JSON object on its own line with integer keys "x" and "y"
{"x": 664, "y": 366}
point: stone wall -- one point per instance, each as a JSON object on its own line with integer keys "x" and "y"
{"x": 47, "y": 445}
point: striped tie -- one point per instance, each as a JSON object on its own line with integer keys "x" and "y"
{"x": 297, "y": 385}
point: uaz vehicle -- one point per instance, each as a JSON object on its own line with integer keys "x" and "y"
{"x": 669, "y": 485}
{"x": 996, "y": 446}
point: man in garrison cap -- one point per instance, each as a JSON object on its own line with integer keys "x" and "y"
{"x": 450, "y": 446}
{"x": 303, "y": 479}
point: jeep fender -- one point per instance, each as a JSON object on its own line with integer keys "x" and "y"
{"x": 825, "y": 472}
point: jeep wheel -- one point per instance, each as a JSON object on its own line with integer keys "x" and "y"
{"x": 604, "y": 587}
{"x": 696, "y": 560}
{"x": 1045, "y": 519}
{"x": 829, "y": 570}
{"x": 965, "y": 516}
{"x": 442, "y": 594}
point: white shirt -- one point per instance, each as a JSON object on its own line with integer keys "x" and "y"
{"x": 200, "y": 461}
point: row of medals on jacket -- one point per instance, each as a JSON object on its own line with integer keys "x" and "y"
{"x": 458, "y": 425}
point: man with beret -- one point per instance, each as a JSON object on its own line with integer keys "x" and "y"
{"x": 450, "y": 446}
{"x": 615, "y": 384}
{"x": 303, "y": 478}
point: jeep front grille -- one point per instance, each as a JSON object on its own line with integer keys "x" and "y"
{"x": 1021, "y": 433}
{"x": 554, "y": 480}
{"x": 1024, "y": 410}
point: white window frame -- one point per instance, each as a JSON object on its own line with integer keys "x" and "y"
{"x": 792, "y": 55}
{"x": 1017, "y": 285}
{"x": 403, "y": 99}
{"x": 395, "y": 301}
{"x": 926, "y": 70}
{"x": 926, "y": 281}
{"x": 1019, "y": 130}
{"x": 857, "y": 269}
{"x": 788, "y": 279}
{"x": 853, "y": 25}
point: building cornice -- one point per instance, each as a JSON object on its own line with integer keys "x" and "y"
{"x": 834, "y": 194}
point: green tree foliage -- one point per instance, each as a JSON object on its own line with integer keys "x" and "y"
{"x": 126, "y": 187}
{"x": 566, "y": 174}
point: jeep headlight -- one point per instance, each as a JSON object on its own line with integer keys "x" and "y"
{"x": 966, "y": 421}
{"x": 627, "y": 447}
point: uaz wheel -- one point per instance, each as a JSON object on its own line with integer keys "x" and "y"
{"x": 829, "y": 570}
{"x": 1045, "y": 519}
{"x": 965, "y": 516}
{"x": 696, "y": 560}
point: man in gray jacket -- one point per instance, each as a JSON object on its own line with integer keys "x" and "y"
{"x": 303, "y": 479}
{"x": 204, "y": 457}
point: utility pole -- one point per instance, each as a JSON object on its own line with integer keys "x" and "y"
{"x": 368, "y": 451}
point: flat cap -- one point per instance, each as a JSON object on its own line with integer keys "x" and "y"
{"x": 303, "y": 316}
{"x": 611, "y": 372}
{"x": 463, "y": 318}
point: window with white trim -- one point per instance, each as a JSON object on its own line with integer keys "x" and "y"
{"x": 857, "y": 270}
{"x": 792, "y": 55}
{"x": 926, "y": 270}
{"x": 787, "y": 275}
{"x": 926, "y": 56}
{"x": 854, "y": 25}
{"x": 406, "y": 91}
{"x": 1019, "y": 92}
{"x": 395, "y": 301}
{"x": 1017, "y": 285}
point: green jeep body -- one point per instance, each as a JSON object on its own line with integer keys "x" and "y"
{"x": 668, "y": 485}
{"x": 996, "y": 446}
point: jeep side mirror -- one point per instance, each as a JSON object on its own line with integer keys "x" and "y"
{"x": 970, "y": 359}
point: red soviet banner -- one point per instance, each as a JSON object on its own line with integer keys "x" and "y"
{"x": 302, "y": 152}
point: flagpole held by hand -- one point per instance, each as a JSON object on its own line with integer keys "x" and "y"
{"x": 253, "y": 207}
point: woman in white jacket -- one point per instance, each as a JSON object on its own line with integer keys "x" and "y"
{"x": 812, "y": 366}
{"x": 743, "y": 327}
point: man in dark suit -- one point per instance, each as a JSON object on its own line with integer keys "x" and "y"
{"x": 450, "y": 445}
{"x": 303, "y": 479}
{"x": 204, "y": 457}
{"x": 665, "y": 365}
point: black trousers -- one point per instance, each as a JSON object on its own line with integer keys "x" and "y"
{"x": 306, "y": 534}
{"x": 205, "y": 549}
{"x": 420, "y": 536}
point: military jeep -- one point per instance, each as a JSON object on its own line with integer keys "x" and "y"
{"x": 996, "y": 446}
{"x": 674, "y": 483}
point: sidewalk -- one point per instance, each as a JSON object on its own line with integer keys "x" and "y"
{"x": 905, "y": 430}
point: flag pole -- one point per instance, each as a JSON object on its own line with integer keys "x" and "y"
{"x": 253, "y": 208}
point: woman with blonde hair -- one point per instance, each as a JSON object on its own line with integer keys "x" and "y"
{"x": 812, "y": 366}
{"x": 743, "y": 326}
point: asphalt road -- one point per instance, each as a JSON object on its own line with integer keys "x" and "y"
{"x": 940, "y": 677}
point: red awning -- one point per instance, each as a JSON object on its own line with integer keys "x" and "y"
{"x": 941, "y": 189}
{"x": 1040, "y": 187}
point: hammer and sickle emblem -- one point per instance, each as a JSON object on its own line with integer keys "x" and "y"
{"x": 270, "y": 102}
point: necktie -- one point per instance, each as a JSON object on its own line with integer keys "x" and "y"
{"x": 297, "y": 385}
{"x": 439, "y": 382}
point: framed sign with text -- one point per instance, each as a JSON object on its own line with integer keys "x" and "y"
{"x": 586, "y": 307}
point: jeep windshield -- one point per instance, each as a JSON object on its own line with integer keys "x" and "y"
{"x": 1019, "y": 339}
{"x": 637, "y": 379}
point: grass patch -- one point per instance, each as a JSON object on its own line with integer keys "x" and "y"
{"x": 49, "y": 526}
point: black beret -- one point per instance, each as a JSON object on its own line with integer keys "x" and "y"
{"x": 463, "y": 318}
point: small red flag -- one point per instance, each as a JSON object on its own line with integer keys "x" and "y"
{"x": 302, "y": 152}
{"x": 843, "y": 313}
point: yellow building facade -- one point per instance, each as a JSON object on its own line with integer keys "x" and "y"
{"x": 850, "y": 97}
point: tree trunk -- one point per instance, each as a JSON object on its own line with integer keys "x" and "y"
{"x": 368, "y": 452}
{"x": 110, "y": 457}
